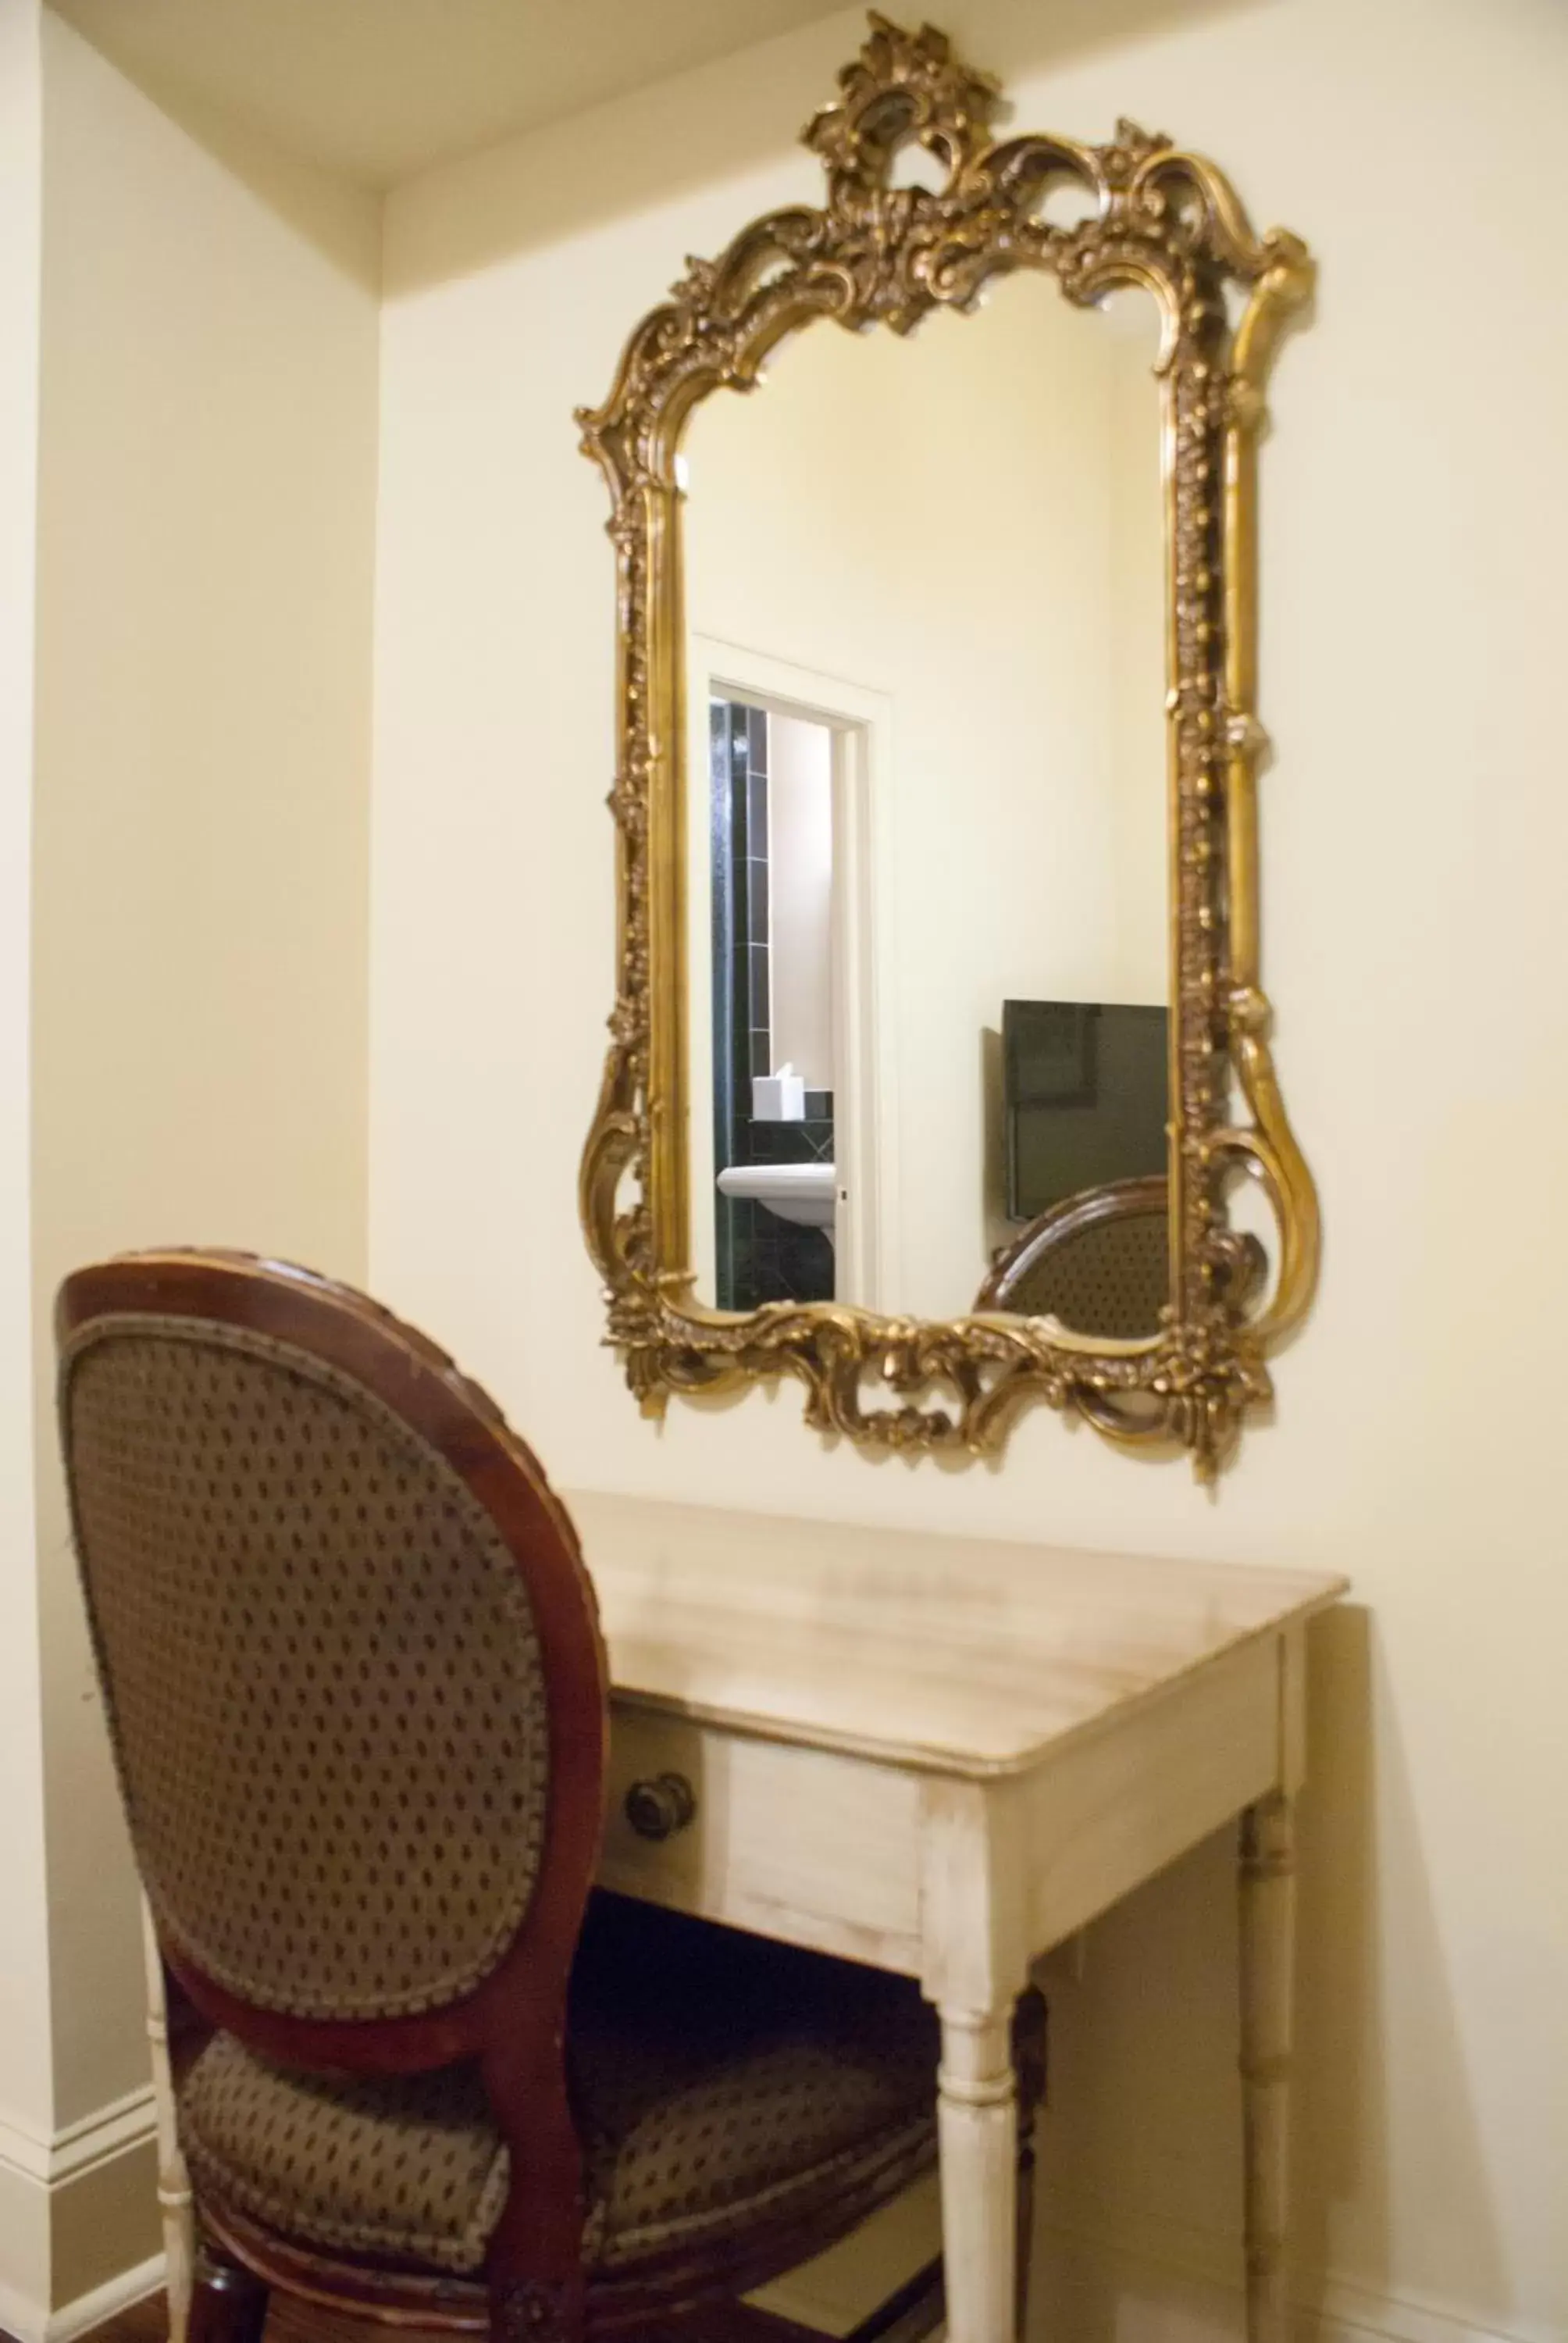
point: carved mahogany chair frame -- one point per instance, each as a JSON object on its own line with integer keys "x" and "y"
{"x": 513, "y": 2023}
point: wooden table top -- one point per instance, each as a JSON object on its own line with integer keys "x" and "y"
{"x": 961, "y": 1655}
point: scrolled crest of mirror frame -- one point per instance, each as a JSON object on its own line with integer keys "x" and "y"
{"x": 877, "y": 253}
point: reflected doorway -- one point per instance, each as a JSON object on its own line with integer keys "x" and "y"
{"x": 773, "y": 900}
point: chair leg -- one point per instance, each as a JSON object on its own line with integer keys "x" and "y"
{"x": 229, "y": 2303}
{"x": 1025, "y": 2247}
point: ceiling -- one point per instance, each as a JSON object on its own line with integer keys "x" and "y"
{"x": 376, "y": 90}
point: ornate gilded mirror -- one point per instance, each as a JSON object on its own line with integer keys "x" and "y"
{"x": 938, "y": 1048}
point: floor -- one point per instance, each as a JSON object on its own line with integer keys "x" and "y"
{"x": 287, "y": 2322}
{"x": 148, "y": 2322}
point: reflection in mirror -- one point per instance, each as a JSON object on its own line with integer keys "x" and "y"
{"x": 925, "y": 589}
{"x": 772, "y": 813}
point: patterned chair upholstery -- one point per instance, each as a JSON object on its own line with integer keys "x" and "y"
{"x": 1099, "y": 1263}
{"x": 715, "y": 2078}
{"x": 356, "y": 1697}
{"x": 306, "y": 1624}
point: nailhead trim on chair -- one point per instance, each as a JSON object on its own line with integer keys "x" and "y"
{"x": 328, "y": 1704}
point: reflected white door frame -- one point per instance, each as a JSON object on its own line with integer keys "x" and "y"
{"x": 865, "y": 990}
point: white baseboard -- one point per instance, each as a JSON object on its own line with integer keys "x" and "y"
{"x": 77, "y": 2147}
{"x": 81, "y": 2156}
{"x": 30, "y": 2322}
{"x": 1177, "y": 2284}
{"x": 1102, "y": 2271}
{"x": 19, "y": 2316}
{"x": 90, "y": 2310}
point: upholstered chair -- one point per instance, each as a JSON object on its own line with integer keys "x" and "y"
{"x": 356, "y": 1696}
{"x": 1097, "y": 1263}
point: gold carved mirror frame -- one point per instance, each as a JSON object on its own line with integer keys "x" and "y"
{"x": 881, "y": 254}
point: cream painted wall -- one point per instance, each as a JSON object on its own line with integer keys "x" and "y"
{"x": 1136, "y": 764}
{"x": 26, "y": 2083}
{"x": 818, "y": 530}
{"x": 1415, "y": 827}
{"x": 200, "y": 885}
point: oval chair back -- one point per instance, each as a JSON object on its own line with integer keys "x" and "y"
{"x": 354, "y": 1684}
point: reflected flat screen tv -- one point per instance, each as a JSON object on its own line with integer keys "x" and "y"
{"x": 1085, "y": 1095}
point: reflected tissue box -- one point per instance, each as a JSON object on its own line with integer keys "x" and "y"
{"x": 778, "y": 1098}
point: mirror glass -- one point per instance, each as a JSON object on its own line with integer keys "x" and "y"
{"x": 925, "y": 831}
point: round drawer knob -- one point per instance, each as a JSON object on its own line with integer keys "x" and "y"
{"x": 658, "y": 1808}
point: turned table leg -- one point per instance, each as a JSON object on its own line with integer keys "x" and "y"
{"x": 1267, "y": 1960}
{"x": 976, "y": 2131}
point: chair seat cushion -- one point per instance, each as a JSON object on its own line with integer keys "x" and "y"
{"x": 407, "y": 2168}
{"x": 720, "y": 2082}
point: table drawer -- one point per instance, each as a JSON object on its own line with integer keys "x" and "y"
{"x": 797, "y": 1843}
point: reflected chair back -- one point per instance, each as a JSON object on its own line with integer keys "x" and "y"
{"x": 1099, "y": 1263}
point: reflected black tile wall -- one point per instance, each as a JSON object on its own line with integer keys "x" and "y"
{"x": 786, "y": 1261}
{"x": 761, "y": 1258}
{"x": 810, "y": 1141}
